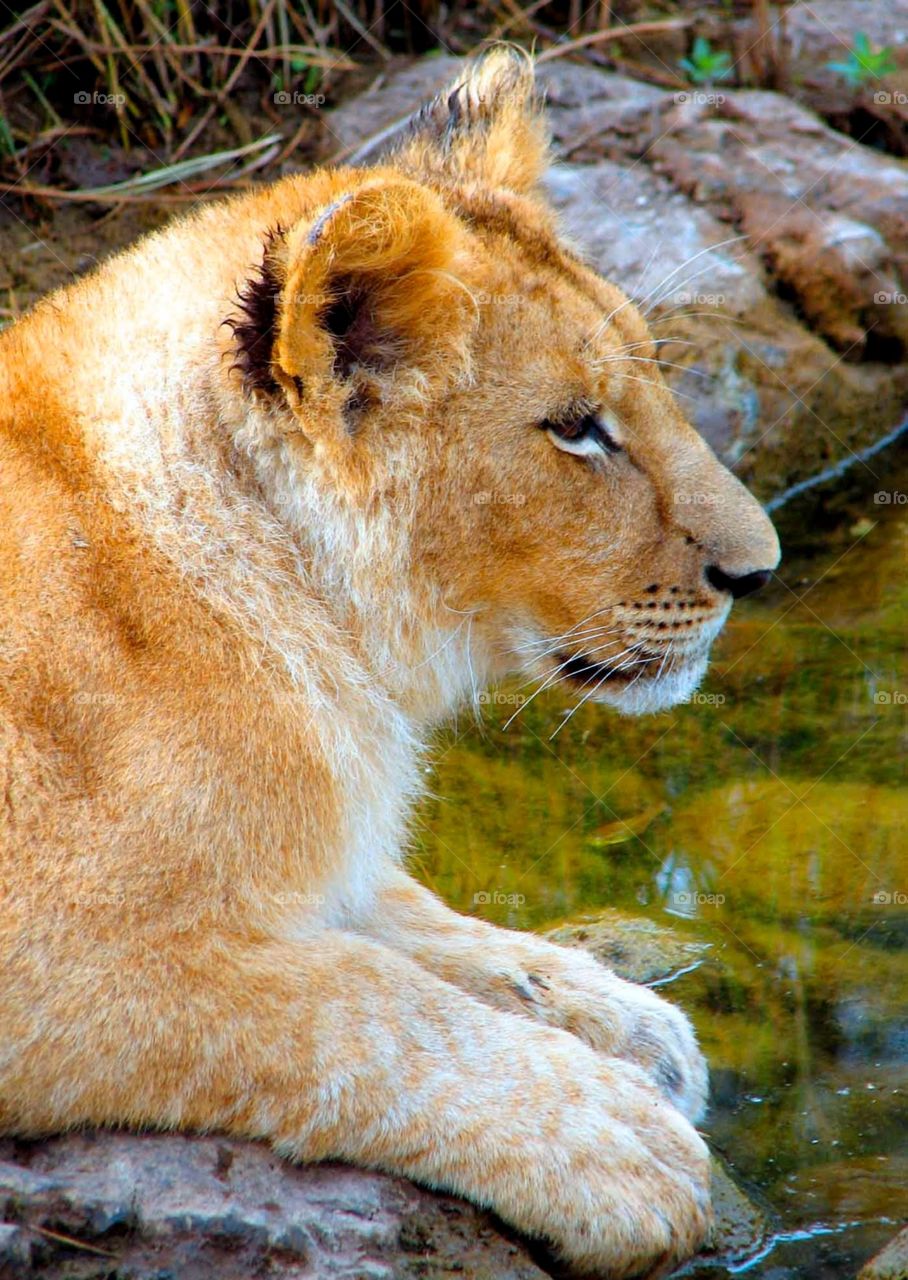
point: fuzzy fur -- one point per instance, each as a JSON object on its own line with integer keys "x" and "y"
{"x": 244, "y": 569}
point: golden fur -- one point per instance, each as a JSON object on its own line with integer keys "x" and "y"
{"x": 243, "y": 568}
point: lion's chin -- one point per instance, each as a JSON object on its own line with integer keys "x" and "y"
{"x": 657, "y": 693}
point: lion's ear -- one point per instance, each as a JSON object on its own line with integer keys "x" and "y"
{"x": 487, "y": 127}
{"x": 367, "y": 294}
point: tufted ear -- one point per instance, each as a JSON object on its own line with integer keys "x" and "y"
{"x": 361, "y": 303}
{"x": 487, "y": 127}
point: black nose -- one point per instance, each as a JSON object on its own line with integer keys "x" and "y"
{"x": 738, "y": 587}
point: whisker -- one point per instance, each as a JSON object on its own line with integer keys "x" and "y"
{"x": 681, "y": 267}
{"x": 648, "y": 382}
{"x": 663, "y": 364}
{"x": 590, "y": 633}
{"x": 467, "y": 617}
{"x": 674, "y": 314}
{"x": 552, "y": 653}
{"x": 578, "y": 626}
{"x": 641, "y": 662}
{"x": 578, "y": 705}
{"x": 636, "y": 678}
{"x": 474, "y": 691}
{"x": 553, "y": 678}
{"x": 648, "y": 301}
{"x": 600, "y": 328}
{"x": 566, "y": 663}
{"x": 668, "y": 650}
{"x": 609, "y": 318}
{"x": 632, "y": 346}
{"x": 548, "y": 680}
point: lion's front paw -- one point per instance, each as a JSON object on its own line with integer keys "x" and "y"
{"x": 658, "y": 1037}
{"x": 624, "y": 1188}
{"x": 568, "y": 988}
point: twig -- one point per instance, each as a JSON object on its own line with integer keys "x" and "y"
{"x": 192, "y": 193}
{"x": 613, "y": 33}
{"x": 137, "y": 189}
{"x": 71, "y": 1241}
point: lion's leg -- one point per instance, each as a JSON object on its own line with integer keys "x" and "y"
{"x": 561, "y": 986}
{"x": 339, "y": 1048}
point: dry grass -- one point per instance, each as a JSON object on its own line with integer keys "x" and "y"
{"x": 156, "y": 67}
{"x": 173, "y": 76}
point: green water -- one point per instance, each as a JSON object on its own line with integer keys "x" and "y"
{"x": 768, "y": 819}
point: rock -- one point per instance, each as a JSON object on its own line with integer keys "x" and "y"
{"x": 390, "y": 100}
{"x": 740, "y": 1228}
{"x": 891, "y": 1263}
{"x": 156, "y": 1205}
{"x": 637, "y": 949}
{"x": 788, "y": 238}
{"x": 822, "y": 31}
{"x": 794, "y": 187}
{"x": 15, "y": 1247}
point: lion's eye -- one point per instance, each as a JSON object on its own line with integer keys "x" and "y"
{"x": 585, "y": 436}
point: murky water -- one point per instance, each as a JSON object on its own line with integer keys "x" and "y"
{"x": 769, "y": 819}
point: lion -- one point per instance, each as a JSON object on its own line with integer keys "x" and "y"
{"x": 283, "y": 486}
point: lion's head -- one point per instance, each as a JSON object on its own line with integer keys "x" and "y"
{"x": 471, "y": 427}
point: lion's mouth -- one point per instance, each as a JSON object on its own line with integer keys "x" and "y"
{"x": 583, "y": 670}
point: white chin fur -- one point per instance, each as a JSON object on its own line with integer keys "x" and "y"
{"x": 644, "y": 697}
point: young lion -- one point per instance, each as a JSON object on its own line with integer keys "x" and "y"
{"x": 245, "y": 564}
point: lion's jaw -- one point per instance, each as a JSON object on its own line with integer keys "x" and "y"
{"x": 634, "y": 676}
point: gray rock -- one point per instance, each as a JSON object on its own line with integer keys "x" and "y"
{"x": 636, "y": 948}
{"x": 158, "y": 1205}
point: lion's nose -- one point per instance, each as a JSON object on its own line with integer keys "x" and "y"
{"x": 745, "y": 585}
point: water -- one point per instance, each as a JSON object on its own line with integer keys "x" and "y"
{"x": 768, "y": 819}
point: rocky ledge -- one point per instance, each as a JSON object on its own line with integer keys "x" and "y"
{"x": 151, "y": 1207}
